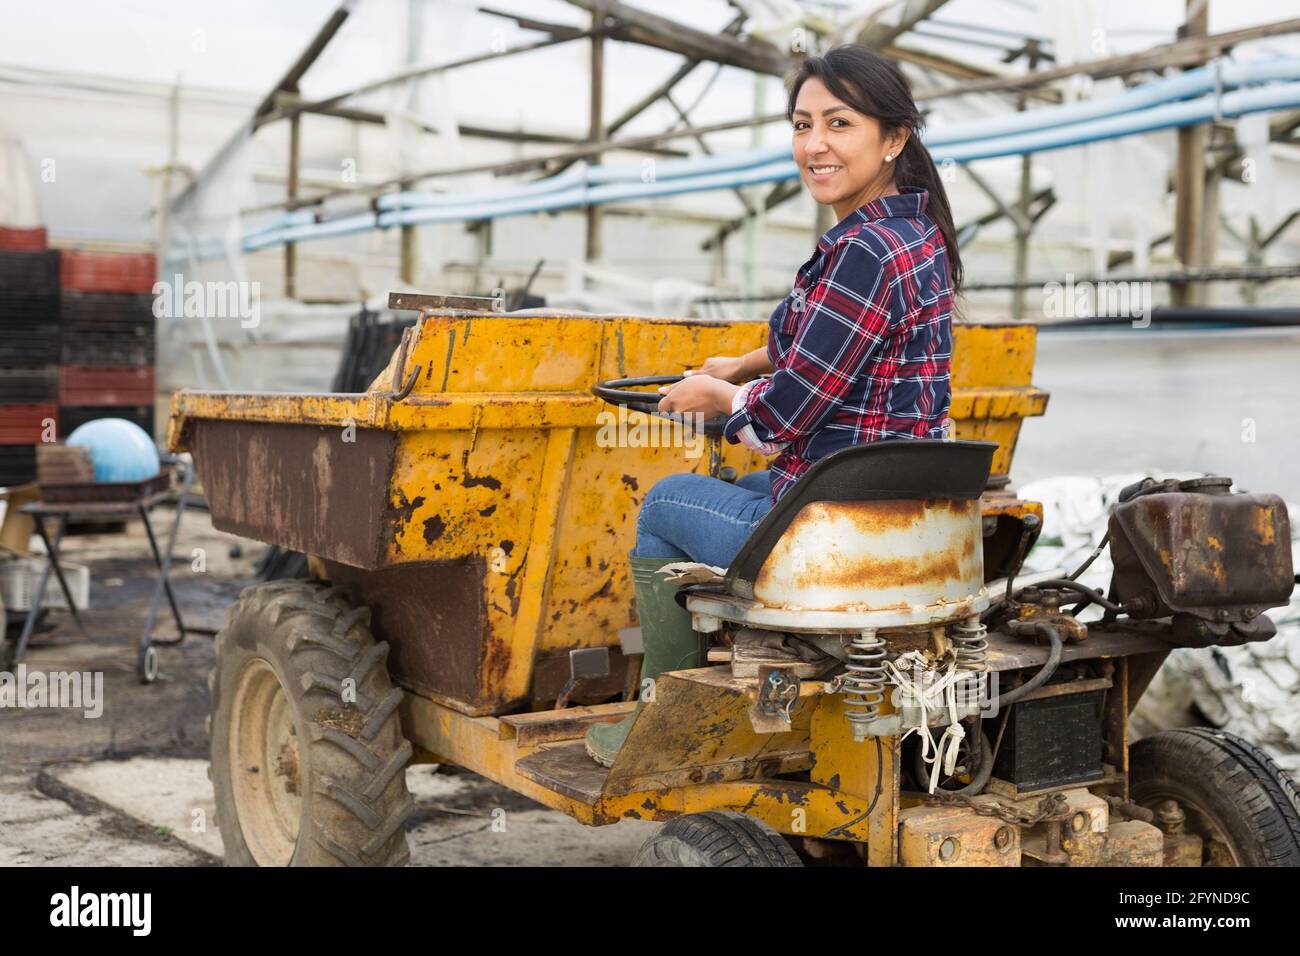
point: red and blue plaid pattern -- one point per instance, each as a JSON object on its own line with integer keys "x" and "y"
{"x": 862, "y": 346}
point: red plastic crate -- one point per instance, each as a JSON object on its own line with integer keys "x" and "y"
{"x": 25, "y": 424}
{"x": 84, "y": 385}
{"x": 108, "y": 272}
{"x": 18, "y": 239}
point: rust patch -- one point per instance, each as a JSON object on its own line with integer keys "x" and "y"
{"x": 480, "y": 481}
{"x": 286, "y": 765}
{"x": 876, "y": 517}
{"x": 630, "y": 482}
{"x": 872, "y": 519}
{"x": 433, "y": 528}
{"x": 299, "y": 486}
{"x": 433, "y": 615}
{"x": 940, "y": 566}
{"x": 1205, "y": 554}
{"x": 404, "y": 511}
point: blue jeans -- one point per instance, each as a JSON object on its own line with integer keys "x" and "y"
{"x": 698, "y": 518}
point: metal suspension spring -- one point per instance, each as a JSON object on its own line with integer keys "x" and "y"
{"x": 864, "y": 684}
{"x": 971, "y": 644}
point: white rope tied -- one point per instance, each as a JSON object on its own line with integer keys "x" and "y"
{"x": 922, "y": 686}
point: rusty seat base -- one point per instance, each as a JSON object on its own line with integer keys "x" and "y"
{"x": 710, "y": 608}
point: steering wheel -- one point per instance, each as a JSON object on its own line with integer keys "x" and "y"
{"x": 617, "y": 391}
{"x": 621, "y": 391}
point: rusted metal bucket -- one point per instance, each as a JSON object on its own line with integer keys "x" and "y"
{"x": 485, "y": 515}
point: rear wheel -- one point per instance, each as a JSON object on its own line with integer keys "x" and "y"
{"x": 1245, "y": 809}
{"x": 308, "y": 758}
{"x": 716, "y": 838}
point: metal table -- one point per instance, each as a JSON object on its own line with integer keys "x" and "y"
{"x": 64, "y": 512}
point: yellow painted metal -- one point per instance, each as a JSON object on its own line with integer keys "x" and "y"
{"x": 487, "y": 746}
{"x": 868, "y": 769}
{"x": 717, "y": 743}
{"x": 502, "y": 455}
{"x": 954, "y": 836}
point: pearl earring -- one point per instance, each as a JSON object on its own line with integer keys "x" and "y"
{"x": 889, "y": 158}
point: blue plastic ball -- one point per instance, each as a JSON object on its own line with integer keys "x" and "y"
{"x": 121, "y": 450}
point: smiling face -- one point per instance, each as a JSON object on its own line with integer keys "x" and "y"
{"x": 841, "y": 153}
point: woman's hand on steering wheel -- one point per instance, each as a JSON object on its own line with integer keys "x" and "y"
{"x": 728, "y": 368}
{"x": 700, "y": 392}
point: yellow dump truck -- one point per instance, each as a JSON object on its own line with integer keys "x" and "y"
{"x": 468, "y": 519}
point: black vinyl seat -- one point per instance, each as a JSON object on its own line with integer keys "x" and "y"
{"x": 911, "y": 468}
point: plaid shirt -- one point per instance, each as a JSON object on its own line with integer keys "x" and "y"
{"x": 862, "y": 346}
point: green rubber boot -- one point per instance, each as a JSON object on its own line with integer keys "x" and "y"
{"x": 671, "y": 644}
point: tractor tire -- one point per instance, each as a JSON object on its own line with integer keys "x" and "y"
{"x": 1233, "y": 795}
{"x": 308, "y": 758}
{"x": 715, "y": 838}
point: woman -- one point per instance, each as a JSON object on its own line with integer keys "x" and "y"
{"x": 859, "y": 351}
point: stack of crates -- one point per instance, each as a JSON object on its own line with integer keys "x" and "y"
{"x": 29, "y": 350}
{"x": 106, "y": 368}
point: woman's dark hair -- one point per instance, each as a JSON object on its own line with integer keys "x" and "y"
{"x": 875, "y": 87}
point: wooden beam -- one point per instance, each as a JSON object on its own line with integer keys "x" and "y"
{"x": 295, "y": 164}
{"x": 1190, "y": 51}
{"x": 878, "y": 34}
{"x": 639, "y": 26}
{"x": 413, "y": 73}
{"x": 1280, "y": 127}
{"x": 659, "y": 92}
{"x": 596, "y": 126}
{"x": 1046, "y": 196}
{"x": 1189, "y": 191}
{"x": 532, "y": 23}
{"x": 289, "y": 81}
{"x": 482, "y": 132}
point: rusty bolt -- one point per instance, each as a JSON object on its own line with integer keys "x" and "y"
{"x": 1002, "y": 839}
{"x": 1170, "y": 816}
{"x": 1223, "y": 614}
{"x": 1251, "y": 613}
{"x": 1079, "y": 822}
{"x": 696, "y": 776}
{"x": 948, "y": 848}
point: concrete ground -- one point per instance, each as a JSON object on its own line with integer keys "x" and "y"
{"x": 130, "y": 787}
